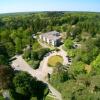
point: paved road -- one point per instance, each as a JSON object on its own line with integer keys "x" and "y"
{"x": 40, "y": 74}
{"x": 21, "y": 64}
{"x": 6, "y": 95}
{"x": 55, "y": 92}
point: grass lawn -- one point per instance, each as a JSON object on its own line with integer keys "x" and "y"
{"x": 54, "y": 60}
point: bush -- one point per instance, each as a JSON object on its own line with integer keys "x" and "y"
{"x": 26, "y": 54}
{"x": 42, "y": 52}
{"x": 68, "y": 44}
{"x": 71, "y": 52}
{"x": 30, "y": 62}
{"x": 36, "y": 64}
{"x": 33, "y": 98}
{"x": 57, "y": 49}
{"x": 27, "y": 86}
{"x": 78, "y": 67}
{"x": 38, "y": 55}
{"x": 1, "y": 98}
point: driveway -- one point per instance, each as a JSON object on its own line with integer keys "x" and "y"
{"x": 42, "y": 72}
{"x": 21, "y": 64}
{"x": 44, "y": 69}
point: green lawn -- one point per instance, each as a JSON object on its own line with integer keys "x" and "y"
{"x": 54, "y": 60}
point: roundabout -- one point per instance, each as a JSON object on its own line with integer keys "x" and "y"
{"x": 52, "y": 61}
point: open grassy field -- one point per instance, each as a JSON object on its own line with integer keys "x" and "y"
{"x": 54, "y": 60}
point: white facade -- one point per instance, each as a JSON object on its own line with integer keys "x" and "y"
{"x": 51, "y": 38}
{"x": 47, "y": 40}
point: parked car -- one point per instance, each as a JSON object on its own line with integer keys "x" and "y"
{"x": 69, "y": 59}
{"x": 67, "y": 56}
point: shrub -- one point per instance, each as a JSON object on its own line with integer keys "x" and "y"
{"x": 35, "y": 64}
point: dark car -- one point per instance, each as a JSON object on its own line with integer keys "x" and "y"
{"x": 69, "y": 59}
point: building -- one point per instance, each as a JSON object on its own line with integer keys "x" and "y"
{"x": 52, "y": 38}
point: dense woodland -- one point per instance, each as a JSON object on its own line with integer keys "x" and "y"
{"x": 80, "y": 81}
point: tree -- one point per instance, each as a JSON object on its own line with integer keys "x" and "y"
{"x": 5, "y": 35}
{"x": 97, "y": 41}
{"x": 27, "y": 54}
{"x": 75, "y": 32}
{"x": 18, "y": 45}
{"x": 10, "y": 48}
{"x": 2, "y": 98}
{"x": 41, "y": 53}
{"x": 3, "y": 60}
{"x": 28, "y": 86}
{"x": 3, "y": 55}
{"x": 61, "y": 72}
{"x": 68, "y": 43}
{"x": 96, "y": 64}
{"x": 88, "y": 51}
{"x": 6, "y": 75}
{"x": 23, "y": 83}
{"x": 36, "y": 64}
{"x": 41, "y": 90}
{"x": 74, "y": 20}
{"x": 35, "y": 55}
{"x": 71, "y": 52}
{"x": 78, "y": 67}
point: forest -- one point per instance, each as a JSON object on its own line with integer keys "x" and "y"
{"x": 81, "y": 81}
